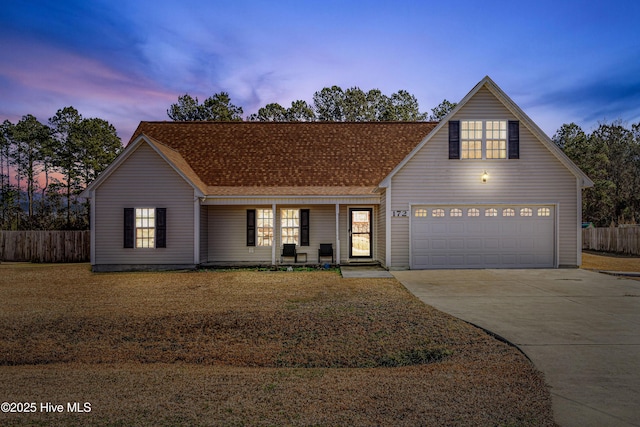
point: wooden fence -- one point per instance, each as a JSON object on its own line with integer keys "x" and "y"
{"x": 45, "y": 246}
{"x": 623, "y": 240}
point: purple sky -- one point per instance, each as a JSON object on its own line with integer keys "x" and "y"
{"x": 127, "y": 61}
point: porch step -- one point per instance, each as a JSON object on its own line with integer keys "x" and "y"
{"x": 364, "y": 271}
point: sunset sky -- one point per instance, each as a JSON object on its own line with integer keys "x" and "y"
{"x": 127, "y": 61}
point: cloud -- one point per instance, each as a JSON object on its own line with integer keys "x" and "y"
{"x": 608, "y": 94}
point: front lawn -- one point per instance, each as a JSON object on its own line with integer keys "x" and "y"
{"x": 249, "y": 348}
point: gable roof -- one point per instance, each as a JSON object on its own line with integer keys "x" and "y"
{"x": 517, "y": 112}
{"x": 286, "y": 158}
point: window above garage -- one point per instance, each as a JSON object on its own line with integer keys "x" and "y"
{"x": 484, "y": 139}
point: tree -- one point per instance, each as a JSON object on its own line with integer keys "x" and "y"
{"x": 610, "y": 156}
{"x": 328, "y": 104}
{"x": 273, "y": 112}
{"x": 31, "y": 139}
{"x": 300, "y": 111}
{"x": 441, "y": 110}
{"x": 404, "y": 108}
{"x": 217, "y": 107}
{"x": 186, "y": 110}
{"x": 65, "y": 125}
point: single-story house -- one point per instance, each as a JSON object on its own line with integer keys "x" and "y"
{"x": 483, "y": 188}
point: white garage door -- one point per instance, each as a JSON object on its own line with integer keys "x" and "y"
{"x": 502, "y": 236}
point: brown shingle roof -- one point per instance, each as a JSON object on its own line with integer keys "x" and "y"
{"x": 317, "y": 154}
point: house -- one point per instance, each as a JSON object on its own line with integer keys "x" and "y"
{"x": 483, "y": 188}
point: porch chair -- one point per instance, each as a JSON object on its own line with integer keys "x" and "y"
{"x": 326, "y": 250}
{"x": 289, "y": 251}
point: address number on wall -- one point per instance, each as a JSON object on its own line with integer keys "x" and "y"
{"x": 400, "y": 213}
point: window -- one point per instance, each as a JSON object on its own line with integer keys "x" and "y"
{"x": 438, "y": 213}
{"x": 473, "y": 212}
{"x": 471, "y": 139}
{"x": 483, "y": 139}
{"x": 508, "y": 212}
{"x": 544, "y": 212}
{"x": 456, "y": 212}
{"x": 496, "y": 139}
{"x": 145, "y": 228}
{"x": 290, "y": 225}
{"x": 526, "y": 212}
{"x": 491, "y": 212}
{"x": 264, "y": 227}
{"x": 421, "y": 213}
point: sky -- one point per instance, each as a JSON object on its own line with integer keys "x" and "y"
{"x": 128, "y": 61}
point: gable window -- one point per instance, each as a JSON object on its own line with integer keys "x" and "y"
{"x": 484, "y": 139}
{"x": 145, "y": 228}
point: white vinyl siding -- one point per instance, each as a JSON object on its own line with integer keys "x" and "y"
{"x": 144, "y": 180}
{"x": 537, "y": 177}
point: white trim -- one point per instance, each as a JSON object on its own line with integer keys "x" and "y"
{"x": 579, "y": 224}
{"x": 387, "y": 230}
{"x": 196, "y": 230}
{"x": 92, "y": 227}
{"x": 337, "y": 233}
{"x": 274, "y": 239}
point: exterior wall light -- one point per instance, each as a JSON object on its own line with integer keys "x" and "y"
{"x": 485, "y": 177}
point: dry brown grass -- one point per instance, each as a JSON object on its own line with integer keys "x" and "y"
{"x": 607, "y": 262}
{"x": 250, "y": 348}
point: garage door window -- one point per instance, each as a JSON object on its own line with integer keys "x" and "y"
{"x": 544, "y": 212}
{"x": 473, "y": 212}
{"x": 421, "y": 213}
{"x": 526, "y": 212}
{"x": 438, "y": 213}
{"x": 455, "y": 212}
{"x": 508, "y": 212}
{"x": 491, "y": 212}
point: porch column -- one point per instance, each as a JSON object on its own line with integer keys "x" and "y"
{"x": 338, "y": 233}
{"x": 274, "y": 240}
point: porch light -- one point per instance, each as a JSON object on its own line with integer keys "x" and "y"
{"x": 485, "y": 177}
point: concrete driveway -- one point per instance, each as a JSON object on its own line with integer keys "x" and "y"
{"x": 580, "y": 328}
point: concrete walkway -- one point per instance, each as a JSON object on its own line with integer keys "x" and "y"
{"x": 580, "y": 328}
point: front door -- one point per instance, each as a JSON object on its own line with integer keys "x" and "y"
{"x": 360, "y": 238}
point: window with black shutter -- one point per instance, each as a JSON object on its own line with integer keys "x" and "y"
{"x": 304, "y": 227}
{"x": 251, "y": 227}
{"x": 514, "y": 139}
{"x": 161, "y": 227}
{"x": 129, "y": 230}
{"x": 454, "y": 139}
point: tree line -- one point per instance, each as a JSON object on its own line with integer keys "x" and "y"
{"x": 45, "y": 166}
{"x": 610, "y": 156}
{"x": 331, "y": 104}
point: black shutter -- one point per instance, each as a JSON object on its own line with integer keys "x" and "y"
{"x": 251, "y": 227}
{"x": 454, "y": 139}
{"x": 304, "y": 227}
{"x": 128, "y": 227}
{"x": 161, "y": 227}
{"x": 514, "y": 139}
